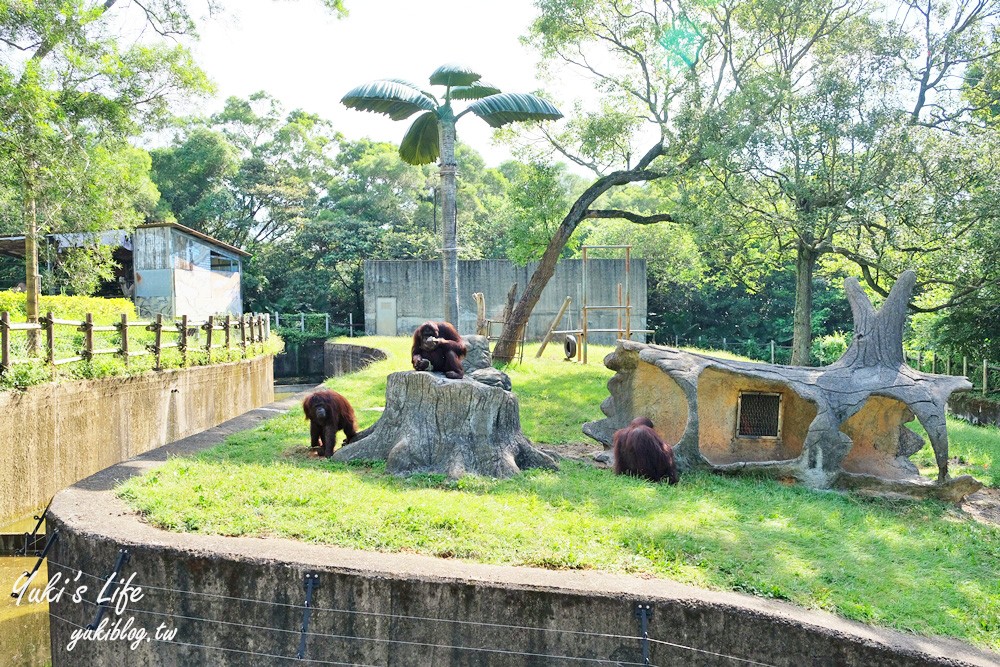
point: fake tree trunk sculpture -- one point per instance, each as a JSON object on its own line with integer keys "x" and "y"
{"x": 839, "y": 426}
{"x": 452, "y": 427}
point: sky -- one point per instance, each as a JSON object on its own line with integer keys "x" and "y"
{"x": 305, "y": 57}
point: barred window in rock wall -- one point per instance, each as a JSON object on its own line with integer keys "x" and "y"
{"x": 759, "y": 415}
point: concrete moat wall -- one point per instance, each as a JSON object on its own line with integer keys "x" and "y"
{"x": 238, "y": 601}
{"x": 343, "y": 358}
{"x": 57, "y": 434}
{"x": 975, "y": 410}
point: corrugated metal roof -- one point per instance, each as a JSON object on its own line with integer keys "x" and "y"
{"x": 197, "y": 234}
{"x": 14, "y": 245}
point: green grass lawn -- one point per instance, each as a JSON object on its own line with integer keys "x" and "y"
{"x": 921, "y": 567}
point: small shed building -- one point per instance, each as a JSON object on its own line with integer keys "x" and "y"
{"x": 166, "y": 268}
{"x": 180, "y": 271}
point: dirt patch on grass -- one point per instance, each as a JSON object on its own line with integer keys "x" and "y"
{"x": 583, "y": 452}
{"x": 983, "y": 506}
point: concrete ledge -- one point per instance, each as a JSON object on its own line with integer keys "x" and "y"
{"x": 57, "y": 434}
{"x": 402, "y": 609}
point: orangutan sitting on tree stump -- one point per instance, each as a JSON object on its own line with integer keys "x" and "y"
{"x": 437, "y": 346}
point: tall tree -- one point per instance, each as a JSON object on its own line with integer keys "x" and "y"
{"x": 374, "y": 208}
{"x": 833, "y": 136}
{"x": 432, "y": 135}
{"x": 678, "y": 69}
{"x": 807, "y": 115}
{"x": 70, "y": 81}
{"x": 249, "y": 174}
{"x": 69, "y": 84}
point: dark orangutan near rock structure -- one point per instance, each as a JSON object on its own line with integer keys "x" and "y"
{"x": 640, "y": 452}
{"x": 438, "y": 347}
{"x": 840, "y": 426}
{"x": 328, "y": 412}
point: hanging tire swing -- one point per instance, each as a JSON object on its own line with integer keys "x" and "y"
{"x": 569, "y": 346}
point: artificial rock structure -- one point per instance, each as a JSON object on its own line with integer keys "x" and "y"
{"x": 840, "y": 426}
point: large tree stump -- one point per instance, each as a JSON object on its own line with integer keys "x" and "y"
{"x": 453, "y": 427}
{"x": 840, "y": 426}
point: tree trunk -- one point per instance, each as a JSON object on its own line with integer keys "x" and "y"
{"x": 805, "y": 264}
{"x": 506, "y": 347}
{"x": 449, "y": 215}
{"x": 32, "y": 280}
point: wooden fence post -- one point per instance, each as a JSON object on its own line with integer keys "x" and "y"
{"x": 965, "y": 366}
{"x": 208, "y": 336}
{"x": 772, "y": 350}
{"x": 229, "y": 322}
{"x": 123, "y": 329}
{"x": 88, "y": 337}
{"x": 50, "y": 338}
{"x": 4, "y": 342}
{"x": 986, "y": 372}
{"x": 182, "y": 342}
{"x": 158, "y": 339}
{"x": 243, "y": 335}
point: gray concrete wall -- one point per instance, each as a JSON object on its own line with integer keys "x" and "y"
{"x": 975, "y": 410}
{"x": 57, "y": 434}
{"x": 344, "y": 358}
{"x": 416, "y": 285}
{"x": 238, "y": 601}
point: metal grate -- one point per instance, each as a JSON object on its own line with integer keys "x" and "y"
{"x": 759, "y": 415}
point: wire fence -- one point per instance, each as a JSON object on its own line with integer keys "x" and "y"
{"x": 251, "y": 639}
{"x": 984, "y": 374}
{"x": 770, "y": 351}
{"x": 315, "y": 323}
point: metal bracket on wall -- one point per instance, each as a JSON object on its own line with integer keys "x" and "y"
{"x": 644, "y": 612}
{"x": 38, "y": 563}
{"x": 123, "y": 558}
{"x": 22, "y": 545}
{"x": 310, "y": 583}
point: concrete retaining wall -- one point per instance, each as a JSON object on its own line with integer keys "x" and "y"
{"x": 344, "y": 358}
{"x": 57, "y": 434}
{"x": 416, "y": 287}
{"x": 299, "y": 363}
{"x": 977, "y": 411}
{"x": 238, "y": 601}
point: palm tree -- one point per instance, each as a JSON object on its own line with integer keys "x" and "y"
{"x": 432, "y": 135}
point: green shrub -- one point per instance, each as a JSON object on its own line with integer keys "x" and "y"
{"x": 105, "y": 311}
{"x": 828, "y": 349}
